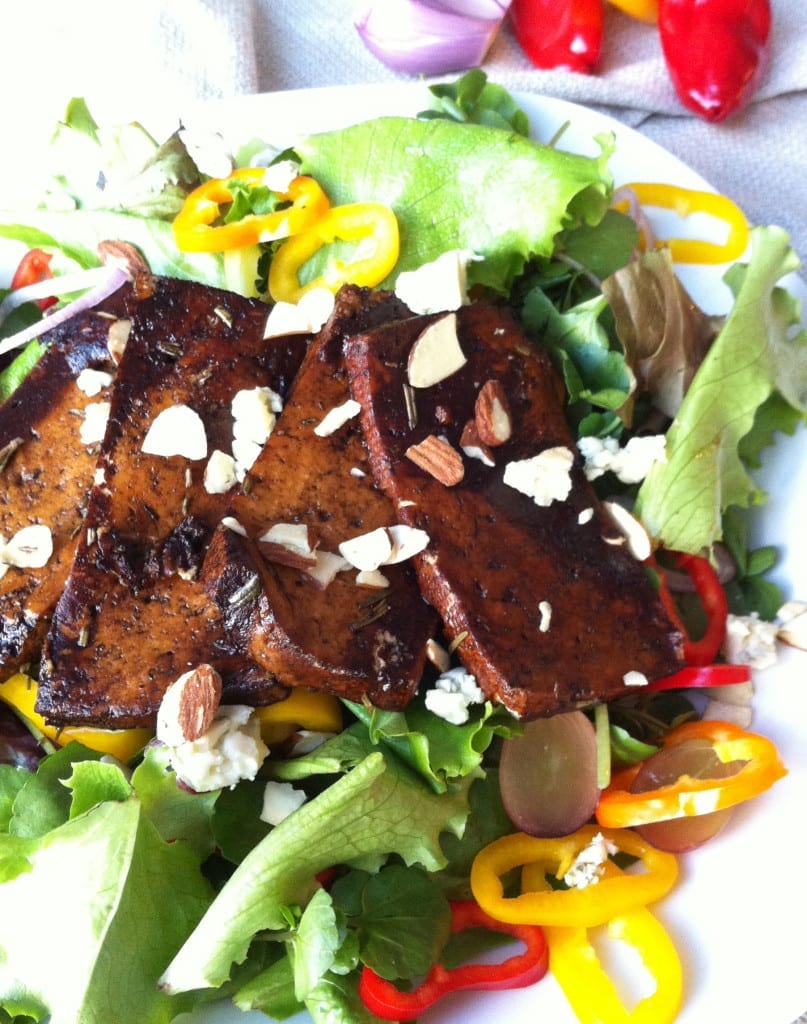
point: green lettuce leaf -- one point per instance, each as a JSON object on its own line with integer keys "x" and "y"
{"x": 78, "y": 232}
{"x": 120, "y": 903}
{"x": 462, "y": 186}
{"x": 682, "y": 500}
{"x": 472, "y": 98}
{"x": 378, "y": 807}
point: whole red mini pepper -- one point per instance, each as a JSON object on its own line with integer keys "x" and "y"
{"x": 388, "y": 1002}
{"x": 33, "y": 268}
{"x": 716, "y": 51}
{"x": 559, "y": 34}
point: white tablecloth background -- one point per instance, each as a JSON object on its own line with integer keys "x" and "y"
{"x": 127, "y": 58}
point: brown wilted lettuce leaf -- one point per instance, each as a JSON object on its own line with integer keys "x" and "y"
{"x": 664, "y": 333}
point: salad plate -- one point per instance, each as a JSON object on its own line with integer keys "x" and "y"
{"x": 738, "y": 912}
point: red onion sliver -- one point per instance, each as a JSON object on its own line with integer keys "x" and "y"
{"x": 101, "y": 282}
{"x": 429, "y": 37}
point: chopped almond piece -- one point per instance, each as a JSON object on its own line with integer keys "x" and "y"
{"x": 439, "y": 459}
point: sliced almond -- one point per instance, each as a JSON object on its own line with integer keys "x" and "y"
{"x": 116, "y": 338}
{"x": 114, "y": 253}
{"x": 436, "y": 353}
{"x": 438, "y": 655}
{"x": 637, "y": 537}
{"x": 793, "y": 624}
{"x": 189, "y": 706}
{"x": 288, "y": 544}
{"x": 407, "y": 541}
{"x": 328, "y": 566}
{"x": 437, "y": 458}
{"x": 473, "y": 445}
{"x": 494, "y": 421}
{"x": 368, "y": 551}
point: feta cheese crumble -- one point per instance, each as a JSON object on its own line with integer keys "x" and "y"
{"x": 750, "y": 640}
{"x": 280, "y": 799}
{"x": 230, "y": 750}
{"x": 588, "y": 866}
{"x": 545, "y": 477}
{"x": 453, "y": 693}
{"x": 631, "y": 464}
{"x": 439, "y": 286}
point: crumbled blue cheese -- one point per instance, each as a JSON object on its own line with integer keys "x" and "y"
{"x": 177, "y": 430}
{"x": 230, "y": 750}
{"x": 92, "y": 382}
{"x": 453, "y": 693}
{"x": 545, "y": 477}
{"x": 93, "y": 426}
{"x": 437, "y": 287}
{"x": 280, "y": 799}
{"x": 588, "y": 866}
{"x": 750, "y": 640}
{"x": 631, "y": 464}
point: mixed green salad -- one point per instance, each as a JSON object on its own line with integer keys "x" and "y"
{"x": 123, "y": 896}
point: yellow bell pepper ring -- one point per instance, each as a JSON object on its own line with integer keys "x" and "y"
{"x": 644, "y": 10}
{"x": 593, "y": 905}
{"x": 302, "y": 709}
{"x": 685, "y": 202}
{"x": 19, "y": 692}
{"x": 196, "y": 230}
{"x": 760, "y": 768}
{"x": 592, "y": 994}
{"x": 373, "y": 225}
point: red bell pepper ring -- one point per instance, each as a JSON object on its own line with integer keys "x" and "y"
{"x": 716, "y": 51}
{"x": 33, "y": 268}
{"x": 702, "y": 675}
{"x": 713, "y": 599}
{"x": 388, "y": 1002}
{"x": 560, "y": 34}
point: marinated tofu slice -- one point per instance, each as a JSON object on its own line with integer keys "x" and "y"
{"x": 133, "y": 616}
{"x": 47, "y": 459}
{"x": 303, "y": 627}
{"x": 548, "y": 607}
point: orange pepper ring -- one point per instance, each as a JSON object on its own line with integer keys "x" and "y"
{"x": 619, "y": 808}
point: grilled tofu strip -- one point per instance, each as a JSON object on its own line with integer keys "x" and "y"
{"x": 548, "y": 613}
{"x": 350, "y": 640}
{"x": 47, "y": 470}
{"x": 133, "y": 615}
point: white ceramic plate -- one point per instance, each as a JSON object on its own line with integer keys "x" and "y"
{"x": 739, "y": 912}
